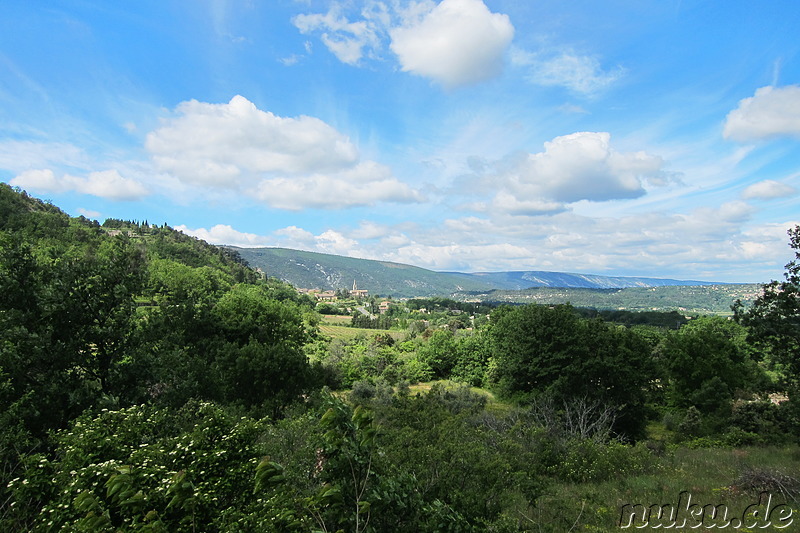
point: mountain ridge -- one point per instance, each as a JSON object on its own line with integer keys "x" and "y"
{"x": 327, "y": 271}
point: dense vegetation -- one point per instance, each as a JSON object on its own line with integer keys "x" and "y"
{"x": 151, "y": 382}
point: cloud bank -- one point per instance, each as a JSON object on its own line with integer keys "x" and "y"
{"x": 107, "y": 184}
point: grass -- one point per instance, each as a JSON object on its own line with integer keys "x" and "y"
{"x": 348, "y": 333}
{"x": 729, "y": 480}
{"x": 336, "y": 320}
{"x": 717, "y": 476}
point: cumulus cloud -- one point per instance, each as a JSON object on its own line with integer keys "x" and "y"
{"x": 293, "y": 233}
{"x": 580, "y": 166}
{"x": 329, "y": 241}
{"x": 227, "y": 144}
{"x": 768, "y": 190}
{"x": 39, "y": 180}
{"x": 370, "y": 230}
{"x": 771, "y": 112}
{"x": 581, "y": 74}
{"x": 105, "y": 184}
{"x": 109, "y": 184}
{"x": 288, "y": 163}
{"x": 455, "y": 43}
{"x": 225, "y": 234}
{"x": 334, "y": 242}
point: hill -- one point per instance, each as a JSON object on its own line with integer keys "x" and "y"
{"x": 330, "y": 272}
{"x": 520, "y": 280}
{"x": 54, "y": 236}
{"x": 689, "y": 299}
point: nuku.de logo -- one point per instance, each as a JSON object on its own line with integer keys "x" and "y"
{"x": 687, "y": 515}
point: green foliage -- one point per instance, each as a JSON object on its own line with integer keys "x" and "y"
{"x": 686, "y": 299}
{"x": 142, "y": 469}
{"x": 774, "y": 318}
{"x": 439, "y": 353}
{"x": 473, "y": 353}
{"x": 66, "y": 325}
{"x": 242, "y": 347}
{"x": 139, "y": 331}
{"x": 707, "y": 362}
{"x": 551, "y": 351}
{"x": 659, "y": 319}
{"x": 360, "y": 320}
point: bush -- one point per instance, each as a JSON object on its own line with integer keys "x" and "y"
{"x": 761, "y": 418}
{"x": 142, "y": 469}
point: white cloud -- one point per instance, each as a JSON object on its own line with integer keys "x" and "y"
{"x": 581, "y": 74}
{"x": 768, "y": 190}
{"x": 39, "y": 180}
{"x": 771, "y": 112}
{"x": 347, "y": 40}
{"x": 701, "y": 244}
{"x": 454, "y": 42}
{"x": 224, "y": 234}
{"x": 365, "y": 184}
{"x": 295, "y": 234}
{"x": 457, "y": 42}
{"x": 329, "y": 241}
{"x": 106, "y": 184}
{"x": 227, "y": 144}
{"x": 370, "y": 230}
{"x": 287, "y": 163}
{"x": 580, "y": 166}
{"x": 88, "y": 213}
{"x": 21, "y": 156}
{"x": 334, "y": 242}
{"x": 505, "y": 202}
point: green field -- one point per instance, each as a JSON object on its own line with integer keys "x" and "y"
{"x": 336, "y": 327}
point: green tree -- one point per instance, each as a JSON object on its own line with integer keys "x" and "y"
{"x": 94, "y": 316}
{"x": 67, "y": 319}
{"x": 706, "y": 362}
{"x": 261, "y": 359}
{"x": 551, "y": 352}
{"x": 439, "y": 352}
{"x": 774, "y": 317}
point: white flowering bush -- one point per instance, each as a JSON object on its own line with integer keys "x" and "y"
{"x": 143, "y": 469}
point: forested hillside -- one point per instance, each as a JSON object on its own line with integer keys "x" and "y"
{"x": 151, "y": 382}
{"x": 688, "y": 299}
{"x": 331, "y": 272}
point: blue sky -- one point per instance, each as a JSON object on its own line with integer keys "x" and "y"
{"x": 631, "y": 137}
